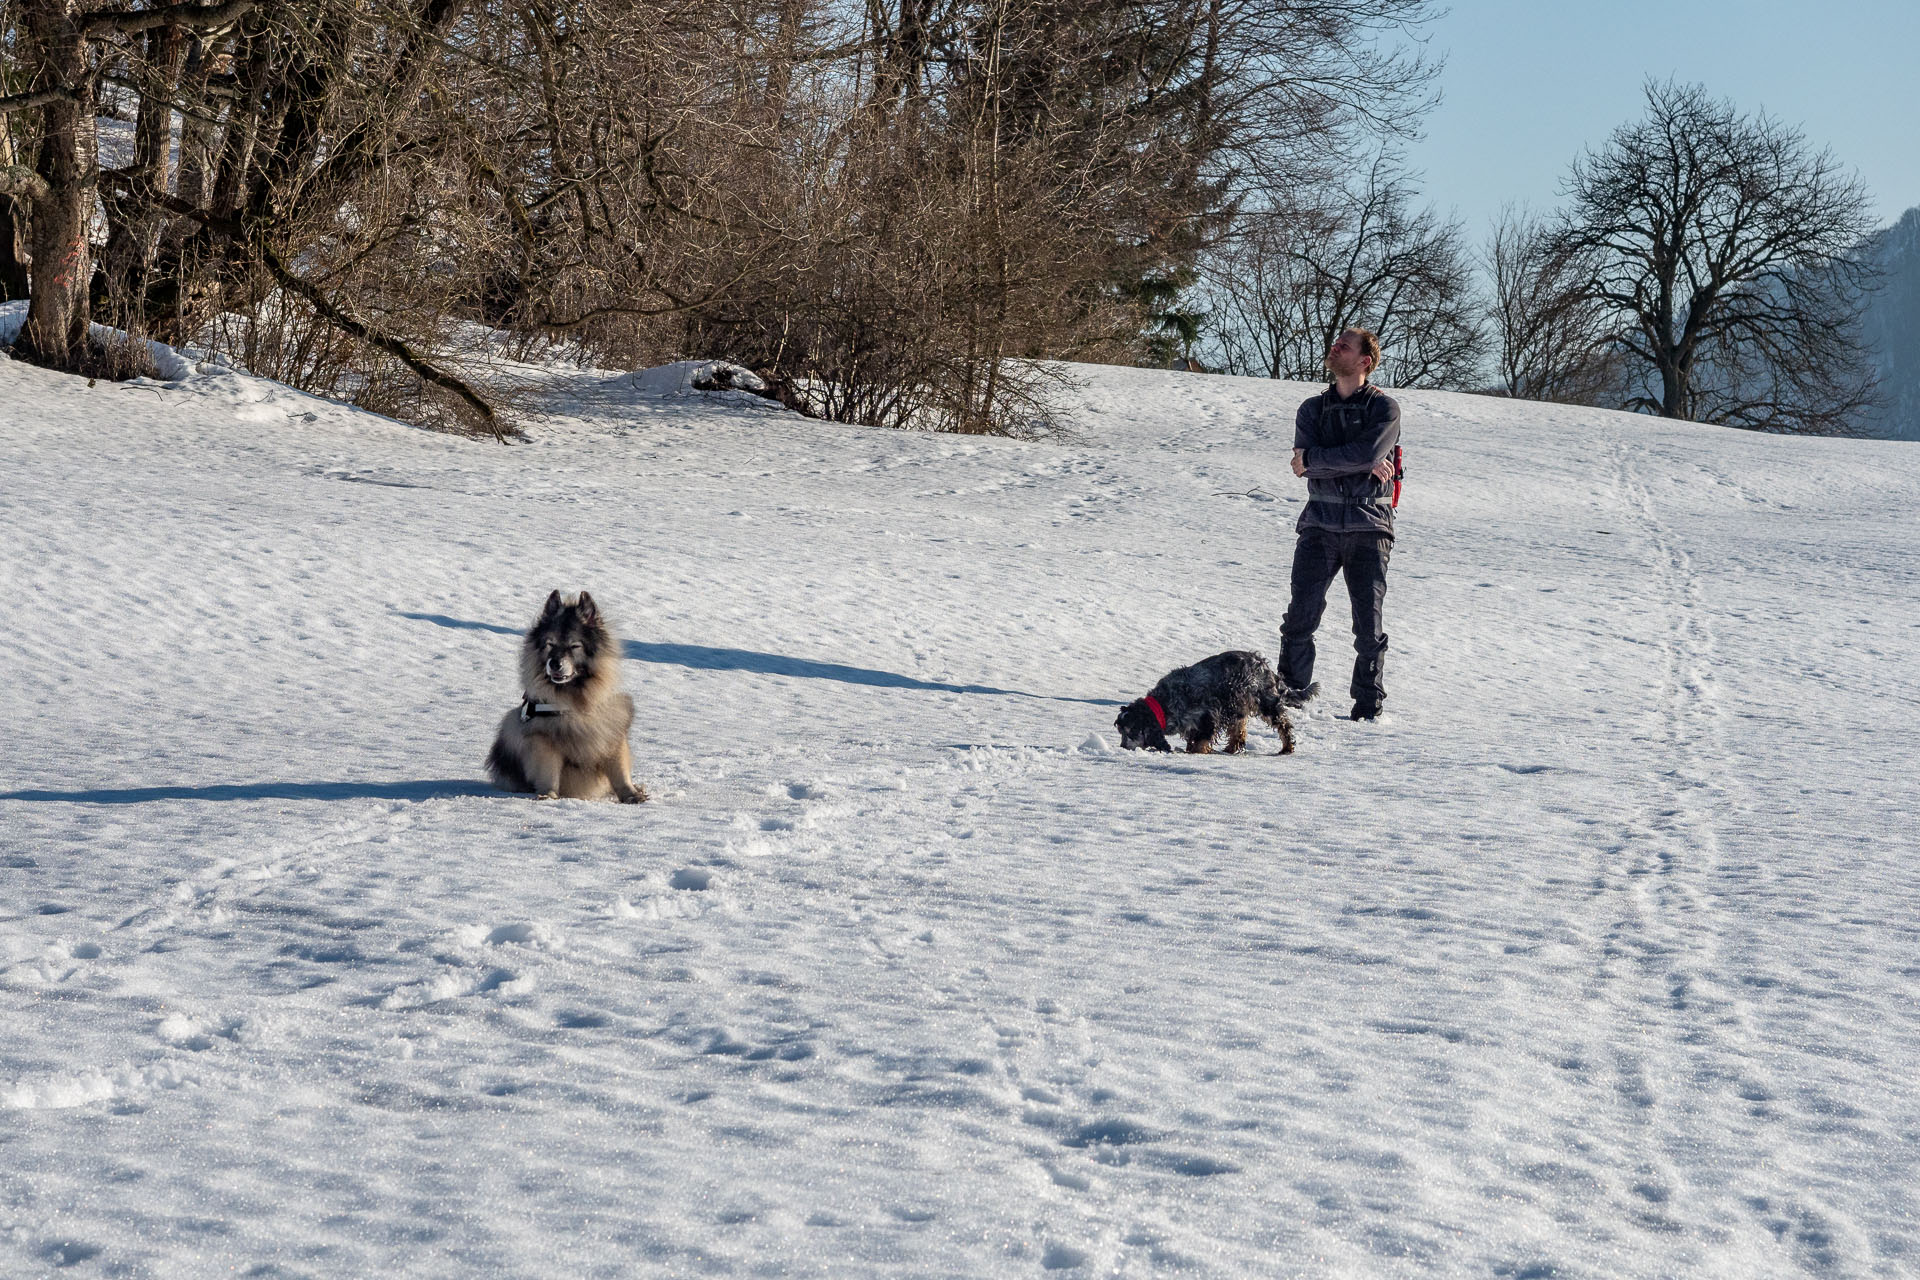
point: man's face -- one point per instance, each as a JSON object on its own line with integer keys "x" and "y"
{"x": 1346, "y": 359}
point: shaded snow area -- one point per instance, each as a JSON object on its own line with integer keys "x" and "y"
{"x": 1595, "y": 957}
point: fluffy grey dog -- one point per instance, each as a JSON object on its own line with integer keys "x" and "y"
{"x": 1199, "y": 702}
{"x": 568, "y": 736}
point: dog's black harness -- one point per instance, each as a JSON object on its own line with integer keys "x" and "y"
{"x": 530, "y": 709}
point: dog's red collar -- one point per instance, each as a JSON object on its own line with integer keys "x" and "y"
{"x": 1159, "y": 712}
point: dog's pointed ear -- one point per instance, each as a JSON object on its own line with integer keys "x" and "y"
{"x": 588, "y": 611}
{"x": 554, "y": 604}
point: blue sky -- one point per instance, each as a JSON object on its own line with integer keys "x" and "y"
{"x": 1526, "y": 86}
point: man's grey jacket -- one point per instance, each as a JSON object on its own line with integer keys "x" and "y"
{"x": 1344, "y": 439}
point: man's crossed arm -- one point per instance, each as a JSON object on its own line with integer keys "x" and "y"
{"x": 1382, "y": 470}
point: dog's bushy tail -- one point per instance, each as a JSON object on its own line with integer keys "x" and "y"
{"x": 505, "y": 770}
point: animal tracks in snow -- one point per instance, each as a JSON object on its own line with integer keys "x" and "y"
{"x": 200, "y": 1034}
{"x": 56, "y": 963}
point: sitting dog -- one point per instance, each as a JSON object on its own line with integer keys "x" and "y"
{"x": 1198, "y": 702}
{"x": 568, "y": 736}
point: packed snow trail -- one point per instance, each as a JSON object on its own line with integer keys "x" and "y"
{"x": 1594, "y": 958}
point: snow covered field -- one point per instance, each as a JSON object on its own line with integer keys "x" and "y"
{"x": 1596, "y": 957}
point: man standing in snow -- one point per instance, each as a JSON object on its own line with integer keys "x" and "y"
{"x": 1343, "y": 442}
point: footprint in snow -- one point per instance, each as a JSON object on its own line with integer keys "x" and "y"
{"x": 692, "y": 878}
{"x": 1060, "y": 1257}
{"x": 498, "y": 980}
{"x": 1109, "y": 1133}
{"x": 67, "y": 1253}
{"x": 1069, "y": 1179}
{"x": 1189, "y": 1164}
{"x": 520, "y": 935}
{"x": 183, "y": 1032}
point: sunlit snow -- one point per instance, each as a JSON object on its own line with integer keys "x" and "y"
{"x": 1595, "y": 957}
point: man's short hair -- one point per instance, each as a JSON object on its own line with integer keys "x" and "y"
{"x": 1369, "y": 344}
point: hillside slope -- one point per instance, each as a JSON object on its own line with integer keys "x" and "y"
{"x": 1594, "y": 958}
{"x": 1893, "y": 325}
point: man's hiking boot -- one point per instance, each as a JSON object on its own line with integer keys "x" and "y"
{"x": 1366, "y": 711}
{"x": 1299, "y": 697}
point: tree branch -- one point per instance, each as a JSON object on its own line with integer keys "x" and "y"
{"x": 257, "y": 245}
{"x": 38, "y": 98}
{"x": 677, "y": 305}
{"x": 20, "y": 181}
{"x": 201, "y": 17}
{"x": 348, "y": 323}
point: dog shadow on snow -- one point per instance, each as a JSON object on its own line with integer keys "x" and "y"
{"x": 700, "y": 657}
{"x": 697, "y": 657}
{"x": 410, "y": 789}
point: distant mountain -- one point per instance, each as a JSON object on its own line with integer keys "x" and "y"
{"x": 1893, "y": 324}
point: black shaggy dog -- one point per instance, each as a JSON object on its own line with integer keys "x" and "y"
{"x": 1198, "y": 702}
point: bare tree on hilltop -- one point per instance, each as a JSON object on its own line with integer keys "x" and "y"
{"x": 1726, "y": 254}
{"x": 1360, "y": 255}
{"x": 1553, "y": 339}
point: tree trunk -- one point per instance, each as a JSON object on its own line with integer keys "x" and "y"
{"x": 14, "y": 258}
{"x": 134, "y": 219}
{"x": 57, "y": 318}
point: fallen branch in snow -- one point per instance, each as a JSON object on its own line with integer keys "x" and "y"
{"x": 345, "y": 321}
{"x": 254, "y": 240}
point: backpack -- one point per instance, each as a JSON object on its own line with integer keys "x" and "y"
{"x": 1399, "y": 469}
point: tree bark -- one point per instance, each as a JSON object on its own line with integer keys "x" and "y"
{"x": 58, "y": 316}
{"x": 14, "y": 257}
{"x": 134, "y": 218}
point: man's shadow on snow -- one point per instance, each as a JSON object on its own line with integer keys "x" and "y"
{"x": 411, "y": 789}
{"x": 700, "y": 657}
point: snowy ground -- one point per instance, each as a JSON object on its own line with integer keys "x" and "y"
{"x": 1595, "y": 958}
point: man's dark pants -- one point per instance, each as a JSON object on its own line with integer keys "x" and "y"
{"x": 1362, "y": 556}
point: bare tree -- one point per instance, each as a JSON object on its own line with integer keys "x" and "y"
{"x": 1727, "y": 253}
{"x": 1362, "y": 256}
{"x": 1552, "y": 338}
{"x": 1299, "y": 87}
